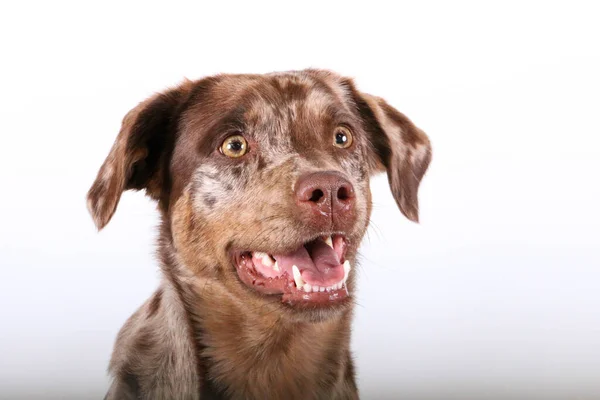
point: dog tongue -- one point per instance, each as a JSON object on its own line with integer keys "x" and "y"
{"x": 318, "y": 263}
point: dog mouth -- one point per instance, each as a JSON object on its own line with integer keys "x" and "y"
{"x": 315, "y": 273}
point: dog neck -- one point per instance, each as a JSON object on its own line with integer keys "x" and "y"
{"x": 245, "y": 351}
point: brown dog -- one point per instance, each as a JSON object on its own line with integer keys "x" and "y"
{"x": 262, "y": 182}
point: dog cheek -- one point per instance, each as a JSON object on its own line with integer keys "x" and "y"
{"x": 189, "y": 236}
{"x": 211, "y": 190}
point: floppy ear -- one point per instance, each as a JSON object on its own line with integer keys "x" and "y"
{"x": 140, "y": 155}
{"x": 399, "y": 147}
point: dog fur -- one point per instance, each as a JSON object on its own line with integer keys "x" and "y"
{"x": 204, "y": 334}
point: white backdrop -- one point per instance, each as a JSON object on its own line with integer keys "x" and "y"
{"x": 495, "y": 295}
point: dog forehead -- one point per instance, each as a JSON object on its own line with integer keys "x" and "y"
{"x": 276, "y": 105}
{"x": 291, "y": 95}
{"x": 291, "y": 112}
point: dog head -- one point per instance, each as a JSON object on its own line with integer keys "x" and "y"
{"x": 263, "y": 180}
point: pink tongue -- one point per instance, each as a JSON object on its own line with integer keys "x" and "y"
{"x": 323, "y": 268}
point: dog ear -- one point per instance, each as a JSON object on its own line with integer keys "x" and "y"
{"x": 398, "y": 147}
{"x": 140, "y": 155}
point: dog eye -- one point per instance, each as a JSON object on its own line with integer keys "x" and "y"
{"x": 234, "y": 146}
{"x": 342, "y": 137}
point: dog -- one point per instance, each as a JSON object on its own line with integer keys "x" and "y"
{"x": 262, "y": 183}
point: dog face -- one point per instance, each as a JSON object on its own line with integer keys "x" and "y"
{"x": 263, "y": 181}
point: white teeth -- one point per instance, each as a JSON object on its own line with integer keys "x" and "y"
{"x": 322, "y": 289}
{"x": 297, "y": 277}
{"x": 329, "y": 241}
{"x": 266, "y": 260}
{"x": 307, "y": 287}
{"x": 315, "y": 288}
{"x": 346, "y": 270}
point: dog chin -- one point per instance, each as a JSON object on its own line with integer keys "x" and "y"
{"x": 302, "y": 313}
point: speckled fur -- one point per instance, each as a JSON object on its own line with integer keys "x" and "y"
{"x": 204, "y": 334}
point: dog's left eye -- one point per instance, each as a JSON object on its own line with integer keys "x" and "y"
{"x": 342, "y": 137}
{"x": 234, "y": 146}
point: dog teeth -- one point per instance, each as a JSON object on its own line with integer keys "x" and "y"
{"x": 297, "y": 277}
{"x": 328, "y": 240}
{"x": 307, "y": 287}
{"x": 346, "y": 270}
{"x": 266, "y": 260}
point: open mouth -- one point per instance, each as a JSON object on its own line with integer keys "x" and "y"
{"x": 315, "y": 273}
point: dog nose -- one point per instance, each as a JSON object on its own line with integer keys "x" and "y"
{"x": 327, "y": 194}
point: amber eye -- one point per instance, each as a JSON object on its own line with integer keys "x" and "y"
{"x": 342, "y": 137}
{"x": 234, "y": 146}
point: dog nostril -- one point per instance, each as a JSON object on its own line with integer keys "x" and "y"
{"x": 317, "y": 194}
{"x": 343, "y": 193}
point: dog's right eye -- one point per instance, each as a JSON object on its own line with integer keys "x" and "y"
{"x": 234, "y": 146}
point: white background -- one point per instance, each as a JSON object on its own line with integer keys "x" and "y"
{"x": 495, "y": 295}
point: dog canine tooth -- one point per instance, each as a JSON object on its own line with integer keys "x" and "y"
{"x": 347, "y": 269}
{"x": 276, "y": 267}
{"x": 329, "y": 241}
{"x": 297, "y": 277}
